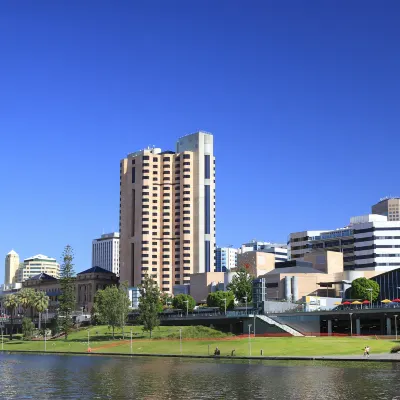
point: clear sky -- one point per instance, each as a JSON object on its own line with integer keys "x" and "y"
{"x": 302, "y": 98}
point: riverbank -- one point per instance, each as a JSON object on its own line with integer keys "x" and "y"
{"x": 166, "y": 342}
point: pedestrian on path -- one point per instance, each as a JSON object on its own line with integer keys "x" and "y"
{"x": 366, "y": 351}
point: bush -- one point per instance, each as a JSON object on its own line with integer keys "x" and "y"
{"x": 198, "y": 332}
{"x": 28, "y": 328}
{"x": 395, "y": 349}
{"x": 179, "y": 301}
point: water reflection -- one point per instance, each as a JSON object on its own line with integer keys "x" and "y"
{"x": 71, "y": 377}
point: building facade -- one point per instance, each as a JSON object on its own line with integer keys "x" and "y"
{"x": 368, "y": 242}
{"x": 300, "y": 243}
{"x": 35, "y": 265}
{"x": 280, "y": 250}
{"x": 389, "y": 207}
{"x": 11, "y": 266}
{"x": 225, "y": 259}
{"x": 105, "y": 252}
{"x": 167, "y": 213}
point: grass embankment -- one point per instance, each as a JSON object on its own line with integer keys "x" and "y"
{"x": 197, "y": 340}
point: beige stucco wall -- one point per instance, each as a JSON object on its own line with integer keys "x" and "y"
{"x": 200, "y": 284}
{"x": 326, "y": 261}
{"x": 256, "y": 262}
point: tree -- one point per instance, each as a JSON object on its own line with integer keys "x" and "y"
{"x": 149, "y": 305}
{"x": 179, "y": 301}
{"x": 360, "y": 286}
{"x": 242, "y": 285}
{"x": 216, "y": 299}
{"x": 11, "y": 303}
{"x": 40, "y": 303}
{"x": 166, "y": 299}
{"x": 67, "y": 285}
{"x": 111, "y": 306}
{"x": 25, "y": 298}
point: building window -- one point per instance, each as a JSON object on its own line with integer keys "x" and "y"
{"x": 146, "y": 158}
{"x": 186, "y": 176}
{"x": 133, "y": 174}
{"x": 186, "y": 156}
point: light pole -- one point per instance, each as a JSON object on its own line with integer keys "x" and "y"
{"x": 131, "y": 340}
{"x": 88, "y": 340}
{"x": 249, "y": 341}
{"x": 180, "y": 339}
{"x": 395, "y": 325}
{"x": 277, "y": 295}
{"x": 351, "y": 324}
{"x": 224, "y": 300}
{"x": 45, "y": 329}
{"x": 370, "y": 290}
{"x": 187, "y": 307}
{"x": 245, "y": 299}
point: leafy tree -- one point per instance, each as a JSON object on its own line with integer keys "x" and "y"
{"x": 179, "y": 301}
{"x": 55, "y": 325}
{"x": 242, "y": 285}
{"x": 27, "y": 328}
{"x": 25, "y": 298}
{"x": 111, "y": 306}
{"x": 11, "y": 303}
{"x": 67, "y": 284}
{"x": 360, "y": 286}
{"x": 40, "y": 303}
{"x": 216, "y": 299}
{"x": 149, "y": 305}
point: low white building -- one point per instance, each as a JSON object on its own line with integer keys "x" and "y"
{"x": 36, "y": 265}
{"x": 278, "y": 249}
{"x": 225, "y": 259}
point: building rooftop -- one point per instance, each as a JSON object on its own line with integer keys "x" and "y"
{"x": 42, "y": 277}
{"x": 12, "y": 253}
{"x": 40, "y": 257}
{"x": 293, "y": 270}
{"x": 94, "y": 270}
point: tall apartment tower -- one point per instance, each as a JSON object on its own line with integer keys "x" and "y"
{"x": 11, "y": 266}
{"x": 389, "y": 207}
{"x": 105, "y": 252}
{"x": 167, "y": 213}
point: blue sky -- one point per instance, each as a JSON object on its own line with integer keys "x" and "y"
{"x": 302, "y": 99}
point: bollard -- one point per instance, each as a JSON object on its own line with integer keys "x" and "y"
{"x": 262, "y": 352}
{"x": 208, "y": 349}
{"x": 233, "y": 353}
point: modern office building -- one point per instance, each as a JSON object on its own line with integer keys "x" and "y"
{"x": 35, "y": 265}
{"x": 105, "y": 252}
{"x": 300, "y": 243}
{"x": 389, "y": 284}
{"x": 389, "y": 207}
{"x": 368, "y": 242}
{"x": 167, "y": 213}
{"x": 11, "y": 267}
{"x": 225, "y": 259}
{"x": 280, "y": 250}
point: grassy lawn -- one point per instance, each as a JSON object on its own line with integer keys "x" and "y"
{"x": 197, "y": 340}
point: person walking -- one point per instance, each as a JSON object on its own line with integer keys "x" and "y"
{"x": 366, "y": 351}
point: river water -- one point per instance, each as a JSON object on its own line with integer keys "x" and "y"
{"x": 94, "y": 377}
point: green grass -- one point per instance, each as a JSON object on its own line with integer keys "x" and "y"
{"x": 199, "y": 340}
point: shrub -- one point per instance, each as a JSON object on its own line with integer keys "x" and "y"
{"x": 27, "y": 328}
{"x": 395, "y": 349}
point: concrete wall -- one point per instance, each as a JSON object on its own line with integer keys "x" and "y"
{"x": 256, "y": 262}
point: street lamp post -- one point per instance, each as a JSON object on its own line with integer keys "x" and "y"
{"x": 245, "y": 299}
{"x": 187, "y": 307}
{"x": 131, "y": 340}
{"x": 88, "y": 340}
{"x": 249, "y": 341}
{"x": 395, "y": 325}
{"x": 370, "y": 291}
{"x": 180, "y": 339}
{"x": 45, "y": 329}
{"x": 351, "y": 324}
{"x": 224, "y": 300}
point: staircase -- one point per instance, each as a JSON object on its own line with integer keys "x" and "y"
{"x": 284, "y": 327}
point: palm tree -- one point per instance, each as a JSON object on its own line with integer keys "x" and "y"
{"x": 40, "y": 303}
{"x": 25, "y": 298}
{"x": 11, "y": 303}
